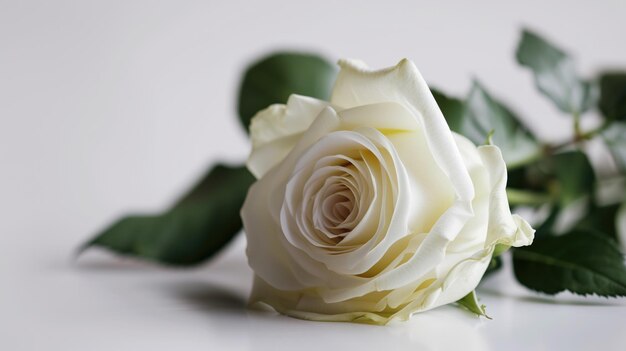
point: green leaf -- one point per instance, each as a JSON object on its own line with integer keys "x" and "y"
{"x": 581, "y": 262}
{"x": 554, "y": 73}
{"x": 529, "y": 178}
{"x": 547, "y": 225}
{"x": 274, "y": 78}
{"x": 193, "y": 230}
{"x": 620, "y": 225}
{"x": 601, "y": 219}
{"x": 570, "y": 180}
{"x": 615, "y": 138}
{"x": 612, "y": 101}
{"x": 483, "y": 114}
{"x": 470, "y": 302}
{"x": 575, "y": 176}
{"x": 452, "y": 109}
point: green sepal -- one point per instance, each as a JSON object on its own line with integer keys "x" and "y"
{"x": 470, "y": 303}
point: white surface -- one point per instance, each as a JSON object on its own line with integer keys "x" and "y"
{"x": 101, "y": 304}
{"x": 110, "y": 107}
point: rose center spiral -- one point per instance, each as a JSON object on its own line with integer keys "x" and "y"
{"x": 336, "y": 204}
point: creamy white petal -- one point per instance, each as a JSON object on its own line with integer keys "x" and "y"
{"x": 403, "y": 84}
{"x": 459, "y": 278}
{"x": 361, "y": 259}
{"x": 432, "y": 191}
{"x": 387, "y": 117}
{"x": 306, "y": 305}
{"x": 260, "y": 215}
{"x": 503, "y": 227}
{"x": 357, "y": 85}
{"x": 473, "y": 235}
{"x": 264, "y": 249}
{"x": 275, "y": 130}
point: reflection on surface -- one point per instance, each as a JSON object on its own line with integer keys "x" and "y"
{"x": 148, "y": 307}
{"x": 447, "y": 328}
{"x": 213, "y": 299}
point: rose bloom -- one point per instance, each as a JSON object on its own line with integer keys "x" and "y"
{"x": 368, "y": 208}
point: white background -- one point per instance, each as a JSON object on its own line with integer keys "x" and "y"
{"x": 116, "y": 106}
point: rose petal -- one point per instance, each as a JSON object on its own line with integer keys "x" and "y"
{"x": 503, "y": 228}
{"x": 357, "y": 85}
{"x": 275, "y": 130}
{"x": 260, "y": 214}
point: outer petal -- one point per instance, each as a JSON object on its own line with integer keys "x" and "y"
{"x": 308, "y": 306}
{"x": 261, "y": 215}
{"x": 432, "y": 190}
{"x": 357, "y": 85}
{"x": 276, "y": 130}
{"x": 504, "y": 228}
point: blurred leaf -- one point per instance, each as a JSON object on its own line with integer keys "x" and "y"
{"x": 274, "y": 78}
{"x": 575, "y": 176}
{"x": 452, "y": 109}
{"x": 483, "y": 114}
{"x": 555, "y": 184}
{"x": 194, "y": 229}
{"x": 530, "y": 177}
{"x": 559, "y": 182}
{"x": 615, "y": 138}
{"x": 470, "y": 302}
{"x": 601, "y": 219}
{"x": 620, "y": 226}
{"x": 554, "y": 73}
{"x": 613, "y": 95}
{"x": 545, "y": 228}
{"x": 581, "y": 262}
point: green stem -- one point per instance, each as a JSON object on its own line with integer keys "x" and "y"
{"x": 523, "y": 197}
{"x": 579, "y": 135}
{"x": 592, "y": 133}
{"x": 577, "y": 132}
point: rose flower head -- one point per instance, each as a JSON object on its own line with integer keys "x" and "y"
{"x": 368, "y": 208}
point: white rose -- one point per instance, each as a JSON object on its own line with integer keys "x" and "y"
{"x": 368, "y": 208}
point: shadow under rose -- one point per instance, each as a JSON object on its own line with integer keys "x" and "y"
{"x": 208, "y": 297}
{"x": 226, "y": 313}
{"x": 214, "y": 297}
